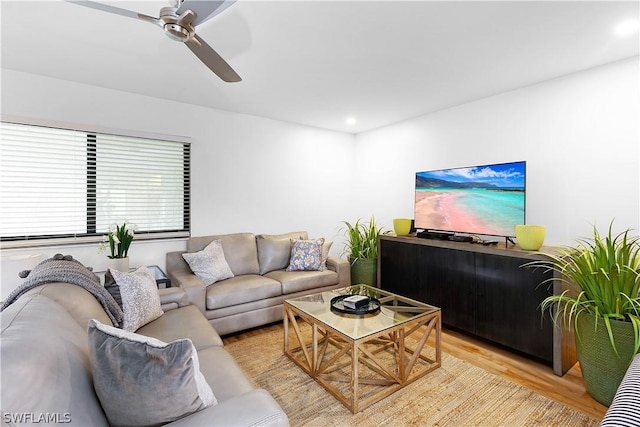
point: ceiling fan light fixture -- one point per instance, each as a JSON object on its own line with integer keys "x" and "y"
{"x": 177, "y": 32}
{"x": 178, "y": 23}
{"x": 176, "y": 27}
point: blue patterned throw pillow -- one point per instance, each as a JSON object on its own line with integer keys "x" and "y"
{"x": 306, "y": 255}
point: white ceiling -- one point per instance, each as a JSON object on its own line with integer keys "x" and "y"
{"x": 319, "y": 62}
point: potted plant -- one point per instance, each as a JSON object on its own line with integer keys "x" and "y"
{"x": 604, "y": 310}
{"x": 361, "y": 248}
{"x": 118, "y": 240}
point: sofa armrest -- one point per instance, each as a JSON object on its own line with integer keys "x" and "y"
{"x": 195, "y": 288}
{"x": 171, "y": 298}
{"x": 254, "y": 408}
{"x": 175, "y": 261}
{"x": 181, "y": 276}
{"x": 342, "y": 267}
{"x": 625, "y": 408}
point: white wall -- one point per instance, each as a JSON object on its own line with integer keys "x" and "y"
{"x": 248, "y": 173}
{"x": 580, "y": 136}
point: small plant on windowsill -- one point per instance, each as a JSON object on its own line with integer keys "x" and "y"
{"x": 118, "y": 240}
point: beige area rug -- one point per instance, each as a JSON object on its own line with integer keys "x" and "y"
{"x": 456, "y": 394}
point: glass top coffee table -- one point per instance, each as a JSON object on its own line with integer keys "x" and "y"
{"x": 362, "y": 358}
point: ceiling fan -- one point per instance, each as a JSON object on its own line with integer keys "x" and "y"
{"x": 178, "y": 22}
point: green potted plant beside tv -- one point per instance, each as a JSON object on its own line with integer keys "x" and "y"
{"x": 361, "y": 248}
{"x": 605, "y": 309}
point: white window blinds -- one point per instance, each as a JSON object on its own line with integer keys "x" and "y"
{"x": 68, "y": 184}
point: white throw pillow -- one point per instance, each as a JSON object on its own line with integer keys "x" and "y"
{"x": 140, "y": 297}
{"x": 141, "y": 380}
{"x": 209, "y": 264}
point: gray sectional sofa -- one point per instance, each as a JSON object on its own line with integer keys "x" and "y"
{"x": 255, "y": 295}
{"x": 47, "y": 374}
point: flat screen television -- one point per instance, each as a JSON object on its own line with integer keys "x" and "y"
{"x": 486, "y": 200}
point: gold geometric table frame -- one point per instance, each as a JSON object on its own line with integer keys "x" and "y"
{"x": 361, "y": 372}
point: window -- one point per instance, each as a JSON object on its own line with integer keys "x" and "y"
{"x": 71, "y": 185}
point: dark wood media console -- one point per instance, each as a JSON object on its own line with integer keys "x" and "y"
{"x": 482, "y": 290}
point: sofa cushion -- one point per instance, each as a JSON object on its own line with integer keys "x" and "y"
{"x": 140, "y": 298}
{"x": 45, "y": 364}
{"x": 209, "y": 264}
{"x": 265, "y": 412}
{"x": 223, "y": 373}
{"x": 306, "y": 255}
{"x": 77, "y": 301}
{"x": 183, "y": 322}
{"x": 241, "y": 289}
{"x": 297, "y": 281}
{"x": 274, "y": 250}
{"x": 273, "y": 254}
{"x": 143, "y": 381}
{"x": 239, "y": 248}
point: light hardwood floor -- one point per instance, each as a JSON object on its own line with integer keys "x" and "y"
{"x": 568, "y": 389}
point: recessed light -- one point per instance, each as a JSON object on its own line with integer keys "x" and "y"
{"x": 627, "y": 28}
{"x": 351, "y": 121}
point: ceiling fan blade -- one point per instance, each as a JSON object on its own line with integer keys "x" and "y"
{"x": 211, "y": 59}
{"x": 204, "y": 10}
{"x": 116, "y": 10}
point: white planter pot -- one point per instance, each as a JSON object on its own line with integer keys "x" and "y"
{"x": 120, "y": 264}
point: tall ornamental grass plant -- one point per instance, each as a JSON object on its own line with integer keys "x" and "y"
{"x": 362, "y": 240}
{"x": 607, "y": 273}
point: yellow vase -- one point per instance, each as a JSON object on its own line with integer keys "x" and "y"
{"x": 401, "y": 226}
{"x": 530, "y": 237}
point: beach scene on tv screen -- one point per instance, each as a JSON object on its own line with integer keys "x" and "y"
{"x": 487, "y": 199}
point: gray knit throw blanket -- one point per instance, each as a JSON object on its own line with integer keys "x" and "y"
{"x": 66, "y": 269}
